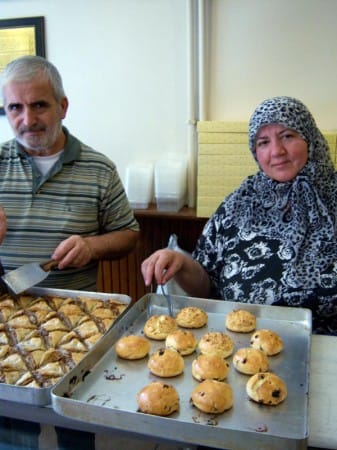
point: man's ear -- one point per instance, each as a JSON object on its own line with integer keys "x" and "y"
{"x": 64, "y": 106}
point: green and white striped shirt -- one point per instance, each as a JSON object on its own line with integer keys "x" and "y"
{"x": 82, "y": 194}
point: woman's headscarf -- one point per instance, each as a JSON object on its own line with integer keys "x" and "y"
{"x": 300, "y": 213}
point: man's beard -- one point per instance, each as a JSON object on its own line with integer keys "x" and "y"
{"x": 39, "y": 143}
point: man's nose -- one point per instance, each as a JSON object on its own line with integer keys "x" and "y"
{"x": 28, "y": 116}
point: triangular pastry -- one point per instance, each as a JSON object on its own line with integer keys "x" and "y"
{"x": 42, "y": 338}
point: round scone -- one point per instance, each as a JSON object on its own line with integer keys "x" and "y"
{"x": 158, "y": 398}
{"x": 158, "y": 327}
{"x": 211, "y": 396}
{"x": 241, "y": 321}
{"x": 192, "y": 317}
{"x": 166, "y": 362}
{"x": 132, "y": 347}
{"x": 268, "y": 341}
{"x": 183, "y": 341}
{"x": 266, "y": 388}
{"x": 210, "y": 367}
{"x": 216, "y": 343}
{"x": 250, "y": 360}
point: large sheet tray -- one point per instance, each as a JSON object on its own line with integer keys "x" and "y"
{"x": 41, "y": 396}
{"x": 103, "y": 389}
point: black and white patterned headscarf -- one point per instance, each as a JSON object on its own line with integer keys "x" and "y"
{"x": 301, "y": 213}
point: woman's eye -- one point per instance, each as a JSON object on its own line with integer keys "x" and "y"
{"x": 261, "y": 143}
{"x": 289, "y": 135}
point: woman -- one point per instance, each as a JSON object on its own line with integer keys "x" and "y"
{"x": 274, "y": 239}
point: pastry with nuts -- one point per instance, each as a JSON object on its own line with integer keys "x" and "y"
{"x": 157, "y": 327}
{"x": 240, "y": 321}
{"x": 192, "y": 317}
{"x": 216, "y": 343}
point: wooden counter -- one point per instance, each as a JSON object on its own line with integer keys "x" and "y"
{"x": 124, "y": 276}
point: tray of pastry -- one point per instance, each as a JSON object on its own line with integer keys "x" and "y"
{"x": 44, "y": 333}
{"x": 105, "y": 389}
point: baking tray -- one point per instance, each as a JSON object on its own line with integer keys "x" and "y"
{"x": 42, "y": 396}
{"x": 103, "y": 389}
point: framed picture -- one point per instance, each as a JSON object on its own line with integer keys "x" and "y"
{"x": 20, "y": 37}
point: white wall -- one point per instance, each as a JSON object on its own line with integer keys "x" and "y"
{"x": 124, "y": 65}
{"x": 263, "y": 48}
{"x": 124, "y": 70}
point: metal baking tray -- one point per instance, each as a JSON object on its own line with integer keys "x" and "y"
{"x": 102, "y": 390}
{"x": 42, "y": 396}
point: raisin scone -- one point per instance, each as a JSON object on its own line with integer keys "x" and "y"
{"x": 268, "y": 341}
{"x": 166, "y": 362}
{"x": 212, "y": 367}
{"x": 266, "y": 388}
{"x": 249, "y": 361}
{"x": 158, "y": 398}
{"x": 213, "y": 397}
{"x": 183, "y": 341}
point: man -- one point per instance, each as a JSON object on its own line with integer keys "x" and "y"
{"x": 62, "y": 199}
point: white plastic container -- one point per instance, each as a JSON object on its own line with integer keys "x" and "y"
{"x": 139, "y": 185}
{"x": 170, "y": 183}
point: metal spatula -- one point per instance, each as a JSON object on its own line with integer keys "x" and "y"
{"x": 28, "y": 275}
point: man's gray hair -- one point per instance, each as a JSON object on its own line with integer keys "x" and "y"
{"x": 27, "y": 68}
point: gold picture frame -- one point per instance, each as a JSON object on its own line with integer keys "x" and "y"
{"x": 19, "y": 37}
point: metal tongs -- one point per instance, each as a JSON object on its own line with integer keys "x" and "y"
{"x": 168, "y": 301}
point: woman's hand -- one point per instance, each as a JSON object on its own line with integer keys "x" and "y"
{"x": 162, "y": 265}
{"x": 165, "y": 264}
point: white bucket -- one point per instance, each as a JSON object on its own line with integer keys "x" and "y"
{"x": 170, "y": 183}
{"x": 139, "y": 185}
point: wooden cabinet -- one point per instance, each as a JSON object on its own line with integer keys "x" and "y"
{"x": 124, "y": 276}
